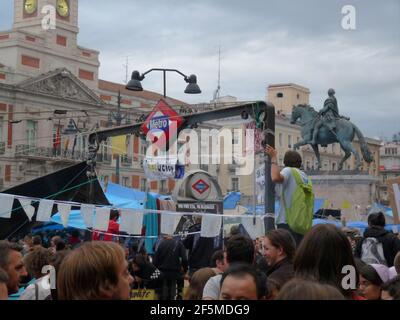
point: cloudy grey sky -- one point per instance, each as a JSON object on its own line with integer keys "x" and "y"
{"x": 262, "y": 42}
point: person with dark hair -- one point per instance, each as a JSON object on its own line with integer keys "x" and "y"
{"x": 37, "y": 241}
{"x": 11, "y": 262}
{"x": 372, "y": 278}
{"x": 321, "y": 256}
{"x": 279, "y": 249}
{"x": 74, "y": 239}
{"x": 170, "y": 258}
{"x": 218, "y": 262}
{"x": 113, "y": 228}
{"x": 144, "y": 273}
{"x": 200, "y": 248}
{"x": 378, "y": 245}
{"x": 60, "y": 246}
{"x": 239, "y": 249}
{"x": 299, "y": 289}
{"x": 391, "y": 289}
{"x": 286, "y": 185}
{"x": 3, "y": 285}
{"x": 241, "y": 281}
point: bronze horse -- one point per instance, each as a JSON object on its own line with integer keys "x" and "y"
{"x": 344, "y": 135}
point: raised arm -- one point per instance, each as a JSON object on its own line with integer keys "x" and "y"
{"x": 275, "y": 170}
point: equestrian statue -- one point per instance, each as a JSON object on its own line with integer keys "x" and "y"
{"x": 326, "y": 127}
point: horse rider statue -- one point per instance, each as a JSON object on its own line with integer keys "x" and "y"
{"x": 329, "y": 114}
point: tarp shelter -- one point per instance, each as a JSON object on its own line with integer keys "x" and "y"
{"x": 118, "y": 196}
{"x": 122, "y": 197}
{"x": 69, "y": 184}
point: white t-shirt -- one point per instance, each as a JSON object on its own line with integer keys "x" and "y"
{"x": 43, "y": 290}
{"x": 213, "y": 287}
{"x": 287, "y": 187}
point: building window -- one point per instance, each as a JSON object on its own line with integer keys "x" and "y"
{"x": 289, "y": 141}
{"x": 279, "y": 95}
{"x": 31, "y": 133}
{"x": 298, "y": 96}
{"x": 1, "y": 129}
{"x": 143, "y": 147}
{"x": 163, "y": 186}
{"x": 204, "y": 167}
{"x": 86, "y": 75}
{"x": 235, "y": 184}
{"x": 333, "y": 166}
{"x": 280, "y": 140}
{"x": 143, "y": 184}
{"x": 125, "y": 181}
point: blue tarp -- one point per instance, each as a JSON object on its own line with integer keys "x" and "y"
{"x": 118, "y": 196}
{"x": 231, "y": 200}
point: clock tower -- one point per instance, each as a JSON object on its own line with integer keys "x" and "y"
{"x": 34, "y": 50}
{"x": 29, "y": 14}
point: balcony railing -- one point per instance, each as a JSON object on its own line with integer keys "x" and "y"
{"x": 23, "y": 150}
{"x": 126, "y": 161}
{"x": 104, "y": 158}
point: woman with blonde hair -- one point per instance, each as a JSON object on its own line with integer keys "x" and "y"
{"x": 94, "y": 271}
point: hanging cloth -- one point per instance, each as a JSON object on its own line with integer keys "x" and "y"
{"x": 151, "y": 223}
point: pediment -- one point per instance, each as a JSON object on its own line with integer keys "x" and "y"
{"x": 61, "y": 83}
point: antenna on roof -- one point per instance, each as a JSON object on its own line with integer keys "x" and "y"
{"x": 217, "y": 92}
{"x": 126, "y": 66}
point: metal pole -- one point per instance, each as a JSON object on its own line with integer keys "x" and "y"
{"x": 269, "y": 196}
{"x": 118, "y": 120}
{"x": 165, "y": 83}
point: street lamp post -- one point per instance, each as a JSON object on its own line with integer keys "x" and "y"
{"x": 135, "y": 83}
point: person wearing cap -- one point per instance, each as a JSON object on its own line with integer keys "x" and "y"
{"x": 372, "y": 278}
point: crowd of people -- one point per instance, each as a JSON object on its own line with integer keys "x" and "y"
{"x": 272, "y": 267}
{"x": 323, "y": 263}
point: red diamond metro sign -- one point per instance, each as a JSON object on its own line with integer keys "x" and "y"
{"x": 160, "y": 119}
{"x": 201, "y": 186}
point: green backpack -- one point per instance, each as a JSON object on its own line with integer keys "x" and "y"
{"x": 300, "y": 213}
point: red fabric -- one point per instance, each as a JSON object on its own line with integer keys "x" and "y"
{"x": 113, "y": 228}
{"x": 357, "y": 297}
{"x": 73, "y": 240}
{"x": 57, "y": 142}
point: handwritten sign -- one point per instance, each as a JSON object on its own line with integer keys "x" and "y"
{"x": 394, "y": 197}
{"x": 143, "y": 294}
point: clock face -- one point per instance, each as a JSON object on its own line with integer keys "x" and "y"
{"x": 30, "y": 6}
{"x": 63, "y": 8}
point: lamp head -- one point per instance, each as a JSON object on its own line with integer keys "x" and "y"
{"x": 192, "y": 87}
{"x": 134, "y": 84}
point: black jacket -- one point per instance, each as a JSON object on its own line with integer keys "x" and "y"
{"x": 150, "y": 275}
{"x": 281, "y": 272}
{"x": 170, "y": 256}
{"x": 390, "y": 243}
{"x": 200, "y": 249}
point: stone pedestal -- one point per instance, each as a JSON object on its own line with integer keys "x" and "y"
{"x": 359, "y": 190}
